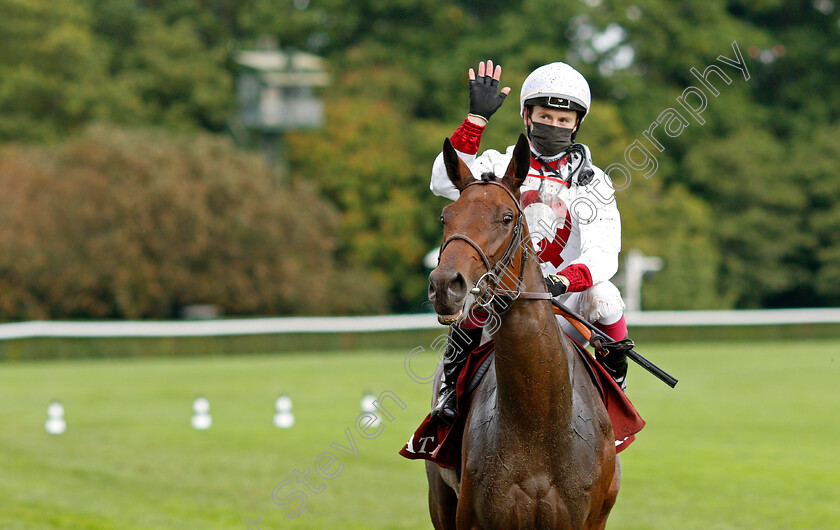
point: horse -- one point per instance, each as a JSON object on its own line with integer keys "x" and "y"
{"x": 538, "y": 448}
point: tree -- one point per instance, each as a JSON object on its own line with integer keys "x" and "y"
{"x": 814, "y": 166}
{"x": 138, "y": 224}
{"x": 388, "y": 216}
{"x": 660, "y": 220}
{"x": 756, "y": 211}
{"x": 399, "y": 71}
{"x": 52, "y": 70}
{"x": 162, "y": 71}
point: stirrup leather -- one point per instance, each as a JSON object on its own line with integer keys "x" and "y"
{"x": 605, "y": 347}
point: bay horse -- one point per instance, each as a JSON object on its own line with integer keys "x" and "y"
{"x": 538, "y": 449}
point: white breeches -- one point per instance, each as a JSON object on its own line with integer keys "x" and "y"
{"x": 600, "y": 303}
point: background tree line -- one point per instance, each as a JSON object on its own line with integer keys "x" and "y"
{"x": 122, "y": 195}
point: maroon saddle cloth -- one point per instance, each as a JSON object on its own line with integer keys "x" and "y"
{"x": 442, "y": 443}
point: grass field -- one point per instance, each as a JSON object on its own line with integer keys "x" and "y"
{"x": 748, "y": 439}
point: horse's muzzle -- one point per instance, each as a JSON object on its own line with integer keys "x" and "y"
{"x": 447, "y": 291}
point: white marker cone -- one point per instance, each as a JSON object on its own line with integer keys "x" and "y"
{"x": 367, "y": 405}
{"x": 201, "y": 419}
{"x": 284, "y": 418}
{"x": 55, "y": 419}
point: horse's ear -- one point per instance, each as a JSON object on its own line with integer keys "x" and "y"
{"x": 456, "y": 169}
{"x": 519, "y": 165}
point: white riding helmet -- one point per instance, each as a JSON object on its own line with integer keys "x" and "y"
{"x": 556, "y": 85}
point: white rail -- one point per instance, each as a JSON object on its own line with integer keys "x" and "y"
{"x": 264, "y": 326}
{"x": 746, "y": 317}
{"x": 210, "y": 328}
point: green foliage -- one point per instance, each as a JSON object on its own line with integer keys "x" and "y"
{"x": 816, "y": 169}
{"x": 399, "y": 86}
{"x": 121, "y": 224}
{"x": 167, "y": 76}
{"x": 388, "y": 217}
{"x": 757, "y": 212}
{"x": 52, "y": 69}
{"x": 65, "y": 66}
{"x": 659, "y": 220}
{"x": 691, "y": 260}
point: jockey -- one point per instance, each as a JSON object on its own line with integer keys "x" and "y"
{"x": 569, "y": 205}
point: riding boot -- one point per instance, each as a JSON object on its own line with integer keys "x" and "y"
{"x": 613, "y": 355}
{"x": 616, "y": 365}
{"x": 460, "y": 343}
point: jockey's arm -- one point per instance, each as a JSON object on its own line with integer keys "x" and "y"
{"x": 466, "y": 140}
{"x": 485, "y": 100}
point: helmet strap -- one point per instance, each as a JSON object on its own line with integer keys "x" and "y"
{"x": 577, "y": 126}
{"x": 529, "y": 109}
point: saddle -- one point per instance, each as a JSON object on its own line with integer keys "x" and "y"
{"x": 442, "y": 443}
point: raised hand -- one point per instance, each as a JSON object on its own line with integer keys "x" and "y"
{"x": 484, "y": 97}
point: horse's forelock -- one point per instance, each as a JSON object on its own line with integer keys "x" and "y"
{"x": 488, "y": 176}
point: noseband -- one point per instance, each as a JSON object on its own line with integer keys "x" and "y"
{"x": 494, "y": 272}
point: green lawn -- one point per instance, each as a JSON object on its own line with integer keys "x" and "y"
{"x": 748, "y": 439}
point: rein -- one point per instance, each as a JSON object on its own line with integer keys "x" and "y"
{"x": 503, "y": 265}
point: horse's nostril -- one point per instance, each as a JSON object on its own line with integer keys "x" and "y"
{"x": 458, "y": 286}
{"x": 447, "y": 286}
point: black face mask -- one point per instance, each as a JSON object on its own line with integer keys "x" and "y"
{"x": 550, "y": 140}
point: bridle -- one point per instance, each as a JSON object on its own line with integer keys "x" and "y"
{"x": 494, "y": 273}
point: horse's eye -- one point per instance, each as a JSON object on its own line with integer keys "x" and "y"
{"x": 508, "y": 218}
{"x": 441, "y": 219}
